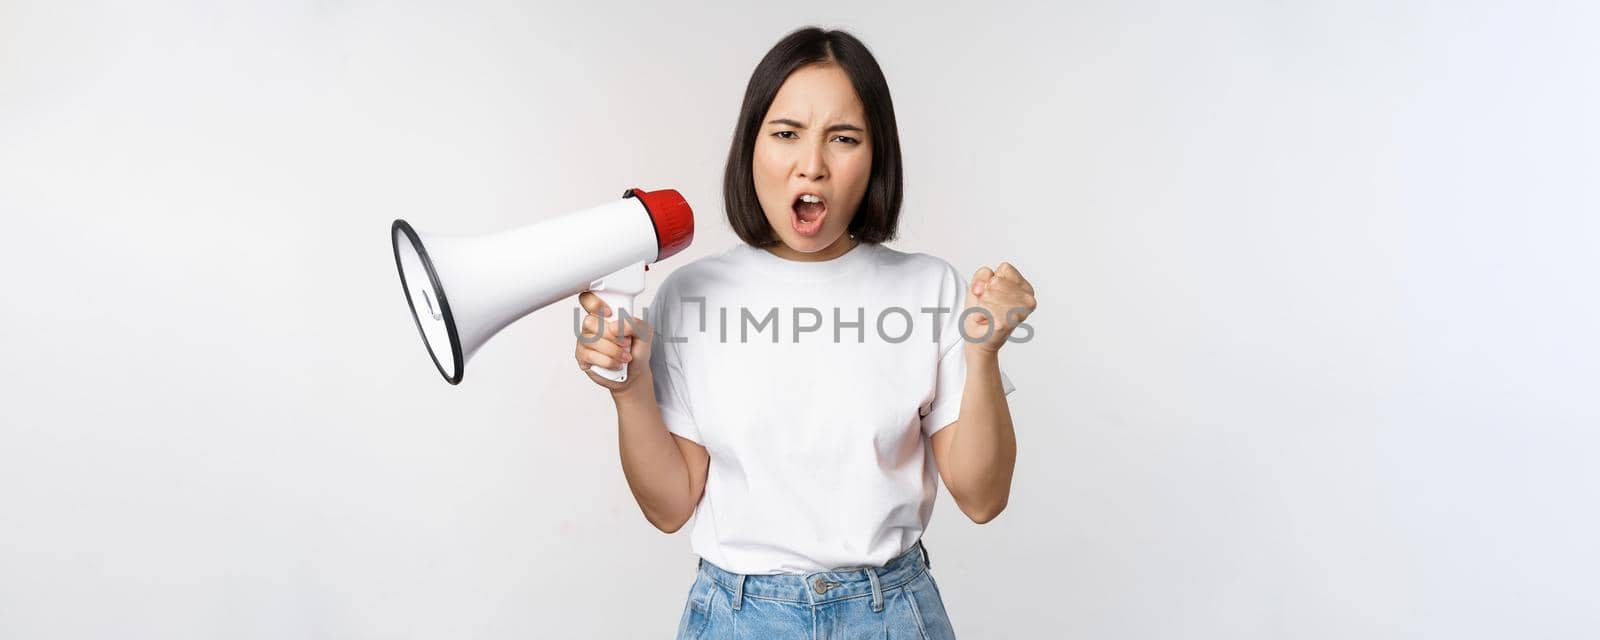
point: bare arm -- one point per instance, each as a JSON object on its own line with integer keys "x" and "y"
{"x": 978, "y": 453}
{"x": 666, "y": 472}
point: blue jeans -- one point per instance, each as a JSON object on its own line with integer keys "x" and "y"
{"x": 897, "y": 601}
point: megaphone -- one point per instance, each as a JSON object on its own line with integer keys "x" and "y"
{"x": 464, "y": 289}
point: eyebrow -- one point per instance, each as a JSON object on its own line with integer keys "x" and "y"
{"x": 797, "y": 125}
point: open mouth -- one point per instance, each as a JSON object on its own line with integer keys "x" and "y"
{"x": 809, "y": 210}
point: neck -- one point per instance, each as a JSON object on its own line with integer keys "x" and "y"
{"x": 839, "y": 247}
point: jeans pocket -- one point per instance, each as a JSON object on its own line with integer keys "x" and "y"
{"x": 696, "y": 608}
{"x": 935, "y": 583}
{"x": 928, "y": 604}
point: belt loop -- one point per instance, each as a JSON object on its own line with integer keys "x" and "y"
{"x": 877, "y": 593}
{"x": 738, "y": 593}
{"x": 926, "y": 562}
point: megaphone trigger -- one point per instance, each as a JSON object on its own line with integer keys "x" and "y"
{"x": 618, "y": 291}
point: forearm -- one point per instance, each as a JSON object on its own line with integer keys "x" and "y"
{"x": 651, "y": 460}
{"x": 983, "y": 451}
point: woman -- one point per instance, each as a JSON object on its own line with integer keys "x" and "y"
{"x": 803, "y": 452}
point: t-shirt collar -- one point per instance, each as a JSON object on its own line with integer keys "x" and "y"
{"x": 848, "y": 262}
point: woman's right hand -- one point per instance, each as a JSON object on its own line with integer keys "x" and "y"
{"x": 603, "y": 344}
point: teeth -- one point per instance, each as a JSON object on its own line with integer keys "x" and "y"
{"x": 810, "y": 198}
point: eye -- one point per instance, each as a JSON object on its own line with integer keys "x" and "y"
{"x": 847, "y": 139}
{"x": 784, "y": 135}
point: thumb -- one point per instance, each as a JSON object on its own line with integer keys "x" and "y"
{"x": 642, "y": 338}
{"x": 980, "y": 281}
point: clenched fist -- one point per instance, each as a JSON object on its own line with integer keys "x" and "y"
{"x": 604, "y": 344}
{"x": 1008, "y": 298}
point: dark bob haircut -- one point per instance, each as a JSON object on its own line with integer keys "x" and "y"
{"x": 878, "y": 217}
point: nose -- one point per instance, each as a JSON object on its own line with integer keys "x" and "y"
{"x": 813, "y": 165}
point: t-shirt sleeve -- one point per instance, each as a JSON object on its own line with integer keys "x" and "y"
{"x": 666, "y": 366}
{"x": 951, "y": 378}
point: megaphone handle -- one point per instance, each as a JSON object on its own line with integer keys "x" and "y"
{"x": 618, "y": 301}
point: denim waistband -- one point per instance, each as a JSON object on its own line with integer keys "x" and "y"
{"x": 823, "y": 586}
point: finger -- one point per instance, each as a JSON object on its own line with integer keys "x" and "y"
{"x": 980, "y": 280}
{"x": 1010, "y": 273}
{"x": 596, "y": 359}
{"x": 610, "y": 349}
{"x": 605, "y": 328}
{"x": 1001, "y": 288}
{"x": 593, "y": 304}
{"x": 639, "y": 331}
{"x": 632, "y": 325}
{"x": 639, "y": 344}
{"x": 604, "y": 348}
{"x": 617, "y": 329}
{"x": 591, "y": 327}
{"x": 597, "y": 329}
{"x": 1008, "y": 295}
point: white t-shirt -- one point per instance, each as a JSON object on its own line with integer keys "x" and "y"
{"x": 814, "y": 397}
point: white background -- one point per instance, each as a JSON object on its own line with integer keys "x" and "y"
{"x": 1315, "y": 355}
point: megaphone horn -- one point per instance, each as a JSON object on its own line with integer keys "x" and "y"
{"x": 464, "y": 289}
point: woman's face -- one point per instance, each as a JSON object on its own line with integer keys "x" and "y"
{"x": 813, "y": 144}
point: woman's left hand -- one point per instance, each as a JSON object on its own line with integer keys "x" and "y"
{"x": 1006, "y": 295}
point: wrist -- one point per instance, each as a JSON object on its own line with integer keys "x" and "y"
{"x": 640, "y": 388}
{"x": 978, "y": 355}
